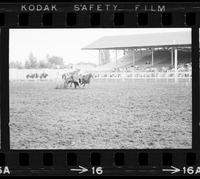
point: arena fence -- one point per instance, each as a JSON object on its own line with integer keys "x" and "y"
{"x": 122, "y": 75}
{"x": 56, "y": 74}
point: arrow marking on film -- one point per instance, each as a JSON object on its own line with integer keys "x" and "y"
{"x": 79, "y": 170}
{"x": 172, "y": 170}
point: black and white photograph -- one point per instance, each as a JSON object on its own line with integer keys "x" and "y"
{"x": 102, "y": 88}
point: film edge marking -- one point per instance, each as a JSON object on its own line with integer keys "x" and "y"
{"x": 4, "y": 170}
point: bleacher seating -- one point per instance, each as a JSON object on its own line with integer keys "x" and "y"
{"x": 143, "y": 68}
{"x": 162, "y": 62}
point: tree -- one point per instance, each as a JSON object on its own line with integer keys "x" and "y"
{"x": 55, "y": 61}
{"x": 43, "y": 64}
{"x": 31, "y": 62}
{"x": 16, "y": 64}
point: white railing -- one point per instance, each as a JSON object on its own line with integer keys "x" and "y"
{"x": 54, "y": 74}
{"x": 132, "y": 75}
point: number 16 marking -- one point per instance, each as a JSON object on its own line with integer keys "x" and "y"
{"x": 97, "y": 170}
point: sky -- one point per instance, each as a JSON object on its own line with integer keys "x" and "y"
{"x": 66, "y": 43}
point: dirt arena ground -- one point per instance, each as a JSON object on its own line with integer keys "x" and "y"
{"x": 107, "y": 114}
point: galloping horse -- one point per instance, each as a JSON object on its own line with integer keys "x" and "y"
{"x": 85, "y": 79}
{"x": 70, "y": 78}
{"x": 76, "y": 79}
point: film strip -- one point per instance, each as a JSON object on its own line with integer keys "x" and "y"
{"x": 180, "y": 156}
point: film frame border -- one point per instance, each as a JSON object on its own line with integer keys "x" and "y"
{"x": 124, "y": 162}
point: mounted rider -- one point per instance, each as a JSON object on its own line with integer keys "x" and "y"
{"x": 75, "y": 76}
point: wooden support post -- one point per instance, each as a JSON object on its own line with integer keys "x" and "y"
{"x": 172, "y": 56}
{"x": 99, "y": 57}
{"x": 175, "y": 63}
{"x": 133, "y": 52}
{"x": 152, "y": 56}
{"x": 116, "y": 57}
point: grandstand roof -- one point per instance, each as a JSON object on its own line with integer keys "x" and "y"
{"x": 165, "y": 39}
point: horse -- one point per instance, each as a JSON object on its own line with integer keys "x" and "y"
{"x": 64, "y": 76}
{"x": 85, "y": 79}
{"x": 67, "y": 79}
{"x": 76, "y": 79}
{"x": 70, "y": 80}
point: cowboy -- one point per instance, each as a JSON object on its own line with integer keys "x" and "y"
{"x": 75, "y": 76}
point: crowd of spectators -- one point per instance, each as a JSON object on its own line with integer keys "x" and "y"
{"x": 182, "y": 67}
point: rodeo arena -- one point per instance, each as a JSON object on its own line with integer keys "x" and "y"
{"x": 135, "y": 56}
{"x": 138, "y": 96}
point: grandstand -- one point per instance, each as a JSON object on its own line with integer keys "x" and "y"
{"x": 168, "y": 51}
